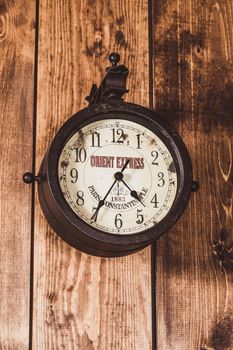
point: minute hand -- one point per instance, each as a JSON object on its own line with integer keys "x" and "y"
{"x": 133, "y": 193}
{"x": 101, "y": 203}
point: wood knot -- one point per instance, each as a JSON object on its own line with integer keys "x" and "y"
{"x": 224, "y": 254}
{"x": 222, "y": 334}
{"x": 198, "y": 50}
{"x": 195, "y": 40}
{"x": 97, "y": 49}
{"x": 120, "y": 39}
{"x": 3, "y": 8}
{"x": 120, "y": 20}
{"x": 3, "y": 33}
{"x": 20, "y": 20}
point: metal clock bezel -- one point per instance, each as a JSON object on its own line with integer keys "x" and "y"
{"x": 79, "y": 230}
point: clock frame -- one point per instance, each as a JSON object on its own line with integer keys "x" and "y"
{"x": 72, "y": 228}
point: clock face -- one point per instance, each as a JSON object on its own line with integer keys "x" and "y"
{"x": 118, "y": 176}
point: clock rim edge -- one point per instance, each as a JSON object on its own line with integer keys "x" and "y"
{"x": 83, "y": 117}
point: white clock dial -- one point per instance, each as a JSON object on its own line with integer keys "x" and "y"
{"x": 87, "y": 167}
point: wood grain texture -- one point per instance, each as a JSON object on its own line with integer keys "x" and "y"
{"x": 84, "y": 302}
{"x": 17, "y": 31}
{"x": 193, "y": 84}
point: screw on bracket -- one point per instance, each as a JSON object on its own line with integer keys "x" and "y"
{"x": 195, "y": 186}
{"x": 113, "y": 86}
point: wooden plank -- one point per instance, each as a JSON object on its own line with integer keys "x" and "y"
{"x": 84, "y": 302}
{"x": 193, "y": 70}
{"x": 17, "y": 31}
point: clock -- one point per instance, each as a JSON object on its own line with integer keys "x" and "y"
{"x": 116, "y": 176}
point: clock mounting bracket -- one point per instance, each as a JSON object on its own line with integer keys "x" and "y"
{"x": 113, "y": 86}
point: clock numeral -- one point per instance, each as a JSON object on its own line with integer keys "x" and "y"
{"x": 74, "y": 175}
{"x": 120, "y": 133}
{"x": 155, "y": 154}
{"x": 95, "y": 139}
{"x": 80, "y": 199}
{"x": 140, "y": 217}
{"x": 139, "y": 141}
{"x": 154, "y": 201}
{"x": 161, "y": 179}
{"x": 118, "y": 221}
{"x": 81, "y": 155}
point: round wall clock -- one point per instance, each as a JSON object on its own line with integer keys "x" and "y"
{"x": 116, "y": 176}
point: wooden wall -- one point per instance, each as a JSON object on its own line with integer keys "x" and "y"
{"x": 177, "y": 294}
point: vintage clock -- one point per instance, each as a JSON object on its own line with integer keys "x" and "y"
{"x": 116, "y": 176}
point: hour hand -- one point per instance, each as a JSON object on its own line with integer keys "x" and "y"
{"x": 101, "y": 203}
{"x": 136, "y": 196}
{"x": 133, "y": 193}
